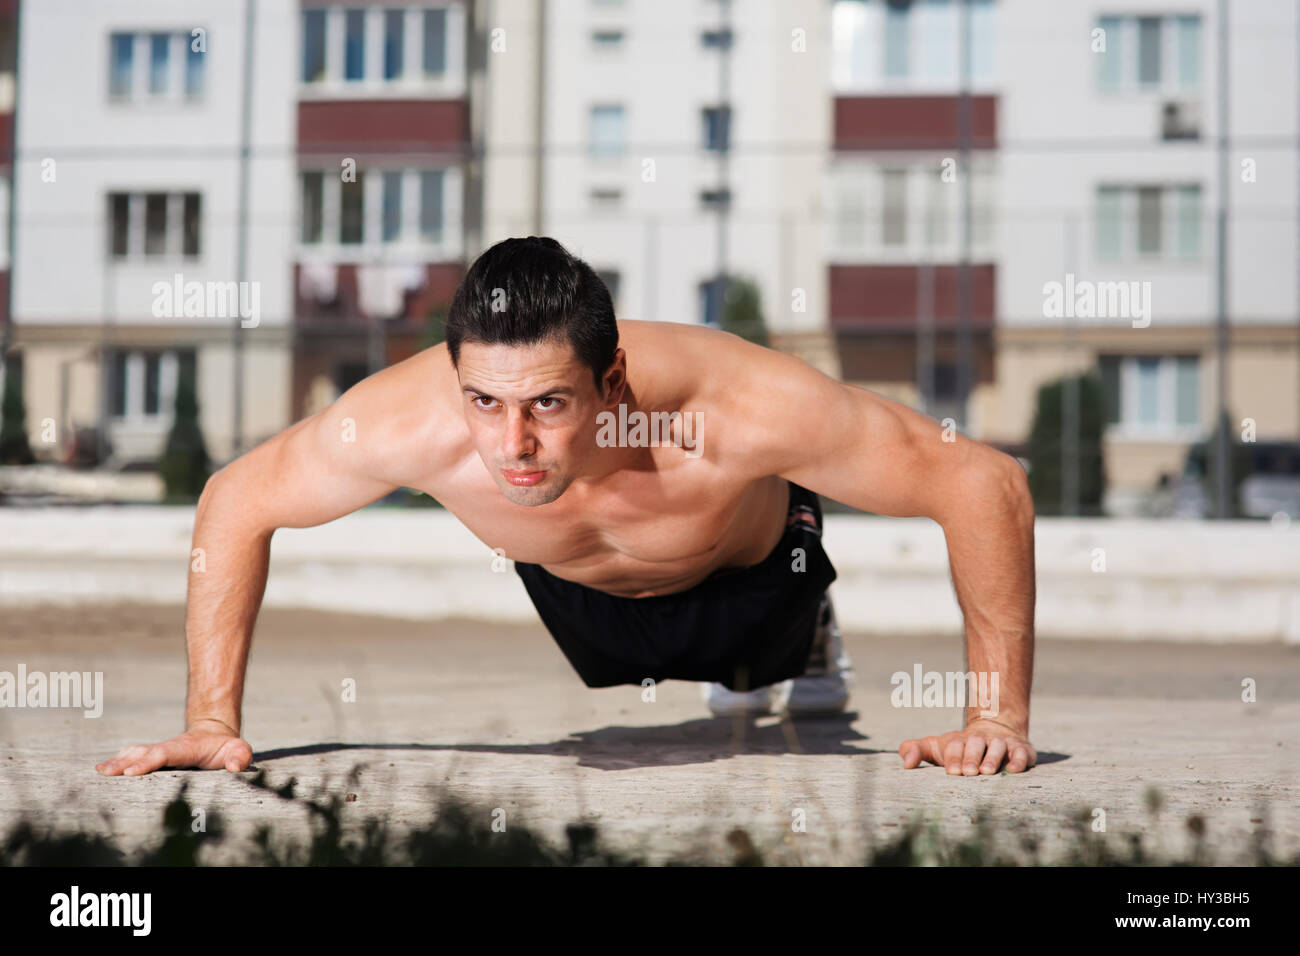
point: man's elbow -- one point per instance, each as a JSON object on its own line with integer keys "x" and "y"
{"x": 1012, "y": 485}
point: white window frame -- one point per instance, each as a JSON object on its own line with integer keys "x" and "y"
{"x": 411, "y": 82}
{"x": 1166, "y": 426}
{"x": 857, "y": 185}
{"x": 1169, "y": 232}
{"x": 133, "y": 384}
{"x": 178, "y": 50}
{"x": 1169, "y": 86}
{"x": 174, "y": 230}
{"x": 409, "y": 244}
{"x": 865, "y": 71}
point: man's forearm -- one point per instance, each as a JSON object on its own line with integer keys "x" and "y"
{"x": 226, "y": 584}
{"x": 991, "y": 553}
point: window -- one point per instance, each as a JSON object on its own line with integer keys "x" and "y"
{"x": 435, "y": 42}
{"x": 392, "y": 211}
{"x": 1110, "y": 225}
{"x": 611, "y": 279}
{"x": 1148, "y": 51}
{"x": 313, "y": 46}
{"x": 606, "y": 40}
{"x": 606, "y": 197}
{"x": 1189, "y": 222}
{"x": 1151, "y": 53}
{"x": 1189, "y": 52}
{"x": 711, "y": 293}
{"x": 193, "y": 70}
{"x": 1149, "y": 222}
{"x": 715, "y": 198}
{"x": 716, "y": 39}
{"x": 354, "y": 45}
{"x": 1148, "y": 236}
{"x": 850, "y": 212}
{"x": 159, "y": 50}
{"x": 897, "y": 19}
{"x": 119, "y": 216}
{"x": 121, "y": 64}
{"x": 142, "y": 383}
{"x": 431, "y": 187}
{"x": 313, "y": 204}
{"x": 352, "y": 208}
{"x": 172, "y": 69}
{"x": 606, "y": 131}
{"x": 1151, "y": 395}
{"x": 908, "y": 43}
{"x": 717, "y": 128}
{"x": 407, "y": 206}
{"x": 155, "y": 224}
{"x": 1110, "y": 64}
{"x": 394, "y": 40}
{"x": 894, "y": 212}
{"x": 362, "y": 48}
{"x": 190, "y": 224}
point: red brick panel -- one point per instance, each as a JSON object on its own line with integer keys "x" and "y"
{"x": 382, "y": 126}
{"x": 887, "y": 297}
{"x": 912, "y": 122}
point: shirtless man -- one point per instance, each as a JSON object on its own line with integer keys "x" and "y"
{"x": 697, "y": 558}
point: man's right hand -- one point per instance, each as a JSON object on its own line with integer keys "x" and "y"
{"x": 207, "y": 745}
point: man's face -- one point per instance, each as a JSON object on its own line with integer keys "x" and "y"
{"x": 531, "y": 412}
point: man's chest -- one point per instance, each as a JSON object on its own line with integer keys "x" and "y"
{"x": 640, "y": 520}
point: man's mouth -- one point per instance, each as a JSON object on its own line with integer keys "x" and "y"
{"x": 523, "y": 478}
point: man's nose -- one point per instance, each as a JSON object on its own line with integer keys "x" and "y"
{"x": 518, "y": 441}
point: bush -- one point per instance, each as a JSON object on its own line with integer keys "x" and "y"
{"x": 742, "y": 312}
{"x": 14, "y": 448}
{"x": 1045, "y": 444}
{"x": 185, "y": 466}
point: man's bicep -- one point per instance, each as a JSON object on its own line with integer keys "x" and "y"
{"x": 311, "y": 473}
{"x": 875, "y": 454}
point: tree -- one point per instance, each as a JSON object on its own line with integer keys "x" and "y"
{"x": 14, "y": 448}
{"x": 435, "y": 328}
{"x": 742, "y": 312}
{"x": 1045, "y": 445}
{"x": 1202, "y": 459}
{"x": 185, "y": 466}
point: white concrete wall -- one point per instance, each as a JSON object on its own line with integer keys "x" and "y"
{"x": 1176, "y": 581}
{"x": 661, "y": 239}
{"x": 1055, "y": 127}
{"x": 62, "y": 272}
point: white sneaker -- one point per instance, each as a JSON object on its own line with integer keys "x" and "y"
{"x": 824, "y": 688}
{"x": 735, "y": 703}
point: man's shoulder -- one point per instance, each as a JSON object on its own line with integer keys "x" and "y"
{"x": 753, "y": 400}
{"x": 401, "y": 418}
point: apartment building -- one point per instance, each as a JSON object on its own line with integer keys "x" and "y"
{"x": 1094, "y": 172}
{"x": 678, "y": 145}
{"x": 128, "y": 273}
{"x": 384, "y": 166}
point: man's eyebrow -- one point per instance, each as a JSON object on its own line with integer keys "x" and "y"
{"x": 558, "y": 390}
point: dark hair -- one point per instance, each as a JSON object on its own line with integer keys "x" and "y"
{"x": 545, "y": 293}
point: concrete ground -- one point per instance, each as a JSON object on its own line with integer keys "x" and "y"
{"x": 495, "y": 714}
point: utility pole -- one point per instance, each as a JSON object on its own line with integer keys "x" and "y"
{"x": 1222, "y": 464}
{"x": 241, "y": 235}
{"x": 721, "y": 283}
{"x": 6, "y": 331}
{"x": 965, "y": 122}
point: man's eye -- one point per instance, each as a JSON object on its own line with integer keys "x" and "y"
{"x": 553, "y": 403}
{"x": 484, "y": 402}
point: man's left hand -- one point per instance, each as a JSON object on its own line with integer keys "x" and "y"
{"x": 979, "y": 749}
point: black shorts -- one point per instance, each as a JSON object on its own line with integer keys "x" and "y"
{"x": 741, "y": 627}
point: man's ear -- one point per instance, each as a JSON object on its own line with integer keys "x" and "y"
{"x": 615, "y": 379}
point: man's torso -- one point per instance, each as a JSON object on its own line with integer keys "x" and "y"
{"x": 660, "y": 524}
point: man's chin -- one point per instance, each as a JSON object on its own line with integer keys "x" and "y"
{"x": 530, "y": 496}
